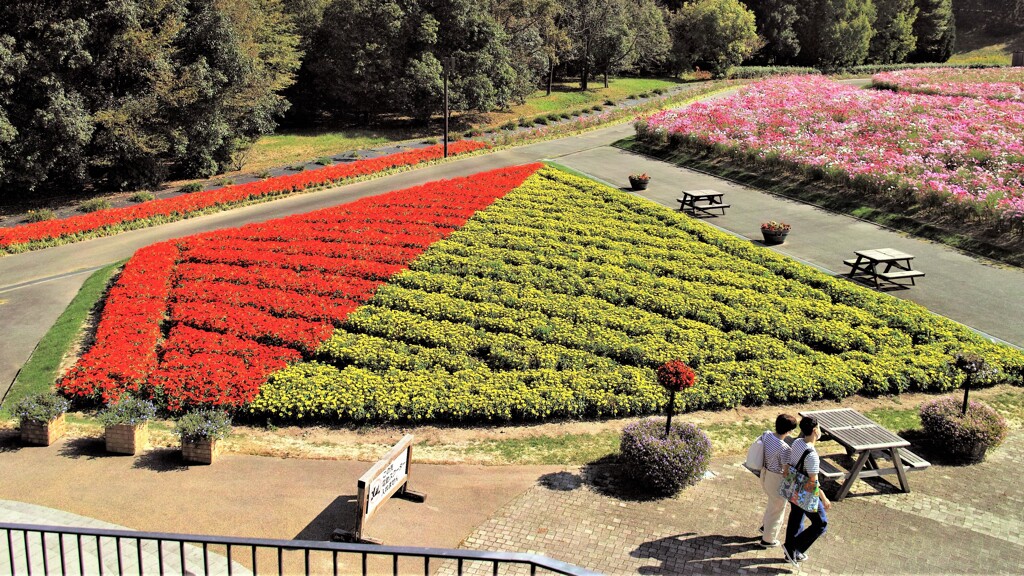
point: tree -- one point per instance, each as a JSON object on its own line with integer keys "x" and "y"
{"x": 534, "y": 40}
{"x": 835, "y": 34}
{"x": 610, "y": 35}
{"x": 894, "y": 31}
{"x": 372, "y": 57}
{"x": 118, "y": 93}
{"x": 714, "y": 35}
{"x": 776, "y": 21}
{"x": 935, "y": 30}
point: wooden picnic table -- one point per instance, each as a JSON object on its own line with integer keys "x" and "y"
{"x": 883, "y": 264}
{"x": 702, "y": 201}
{"x": 865, "y": 442}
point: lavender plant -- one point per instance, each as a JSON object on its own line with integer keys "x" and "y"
{"x": 205, "y": 424}
{"x": 664, "y": 464}
{"x": 963, "y": 436}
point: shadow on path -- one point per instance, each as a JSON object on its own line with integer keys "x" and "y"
{"x": 691, "y": 553}
{"x": 161, "y": 460}
{"x": 341, "y": 513}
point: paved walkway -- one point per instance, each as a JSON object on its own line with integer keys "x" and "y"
{"x": 957, "y": 520}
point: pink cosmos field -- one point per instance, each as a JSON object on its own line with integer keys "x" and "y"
{"x": 991, "y": 83}
{"x": 963, "y": 154}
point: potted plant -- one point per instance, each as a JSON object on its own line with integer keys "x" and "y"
{"x": 200, "y": 432}
{"x": 639, "y": 181}
{"x": 41, "y": 418}
{"x": 126, "y": 425}
{"x": 774, "y": 232}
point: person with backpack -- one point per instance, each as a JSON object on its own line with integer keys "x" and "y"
{"x": 805, "y": 462}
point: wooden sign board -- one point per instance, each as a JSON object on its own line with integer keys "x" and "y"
{"x": 390, "y": 475}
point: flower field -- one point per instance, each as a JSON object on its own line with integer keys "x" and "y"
{"x": 990, "y": 83}
{"x": 962, "y": 157}
{"x": 113, "y": 220}
{"x": 562, "y": 299}
{"x": 204, "y": 320}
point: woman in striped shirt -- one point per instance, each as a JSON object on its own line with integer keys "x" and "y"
{"x": 776, "y": 461}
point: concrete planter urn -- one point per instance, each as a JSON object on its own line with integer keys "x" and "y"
{"x": 639, "y": 181}
{"x": 127, "y": 438}
{"x": 43, "y": 433}
{"x": 774, "y": 232}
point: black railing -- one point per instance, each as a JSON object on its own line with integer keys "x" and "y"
{"x": 33, "y": 549}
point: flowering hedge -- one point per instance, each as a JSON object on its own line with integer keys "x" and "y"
{"x": 563, "y": 298}
{"x": 112, "y": 220}
{"x": 991, "y": 83}
{"x": 239, "y": 304}
{"x": 964, "y": 154}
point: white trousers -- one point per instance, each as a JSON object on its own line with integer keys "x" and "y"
{"x": 776, "y": 508}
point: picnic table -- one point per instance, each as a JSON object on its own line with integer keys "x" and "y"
{"x": 883, "y": 264}
{"x": 702, "y": 201}
{"x": 866, "y": 443}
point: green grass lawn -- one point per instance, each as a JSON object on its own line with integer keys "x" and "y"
{"x": 288, "y": 148}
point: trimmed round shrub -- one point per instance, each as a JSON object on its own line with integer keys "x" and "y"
{"x": 963, "y": 437}
{"x": 661, "y": 464}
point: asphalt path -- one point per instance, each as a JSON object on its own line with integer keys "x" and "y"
{"x": 36, "y": 286}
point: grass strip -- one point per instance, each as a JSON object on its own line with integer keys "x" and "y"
{"x": 40, "y": 371}
{"x": 824, "y": 195}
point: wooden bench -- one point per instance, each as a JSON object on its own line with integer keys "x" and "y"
{"x": 829, "y": 470}
{"x": 911, "y": 462}
{"x": 894, "y": 275}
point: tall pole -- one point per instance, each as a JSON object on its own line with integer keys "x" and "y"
{"x": 446, "y": 108}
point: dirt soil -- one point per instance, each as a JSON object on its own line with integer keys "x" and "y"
{"x": 456, "y": 445}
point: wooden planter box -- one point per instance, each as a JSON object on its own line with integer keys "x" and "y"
{"x": 127, "y": 439}
{"x": 201, "y": 452}
{"x": 43, "y": 433}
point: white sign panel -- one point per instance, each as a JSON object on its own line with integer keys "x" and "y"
{"x": 381, "y": 487}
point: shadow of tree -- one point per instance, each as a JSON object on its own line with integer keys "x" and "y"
{"x": 690, "y": 553}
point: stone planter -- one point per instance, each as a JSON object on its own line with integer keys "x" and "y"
{"x": 43, "y": 433}
{"x": 127, "y": 438}
{"x": 774, "y": 236}
{"x": 201, "y": 451}
{"x": 638, "y": 184}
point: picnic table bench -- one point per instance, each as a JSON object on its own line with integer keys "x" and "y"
{"x": 702, "y": 201}
{"x": 866, "y": 443}
{"x": 883, "y": 264}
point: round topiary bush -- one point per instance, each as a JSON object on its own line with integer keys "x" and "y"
{"x": 963, "y": 437}
{"x": 664, "y": 464}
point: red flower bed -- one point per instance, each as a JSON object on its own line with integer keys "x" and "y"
{"x": 179, "y": 206}
{"x": 237, "y": 305}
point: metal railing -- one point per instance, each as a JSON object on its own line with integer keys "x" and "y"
{"x": 33, "y": 549}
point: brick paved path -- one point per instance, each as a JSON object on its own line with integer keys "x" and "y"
{"x": 942, "y": 527}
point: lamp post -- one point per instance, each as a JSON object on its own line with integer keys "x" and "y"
{"x": 447, "y": 66}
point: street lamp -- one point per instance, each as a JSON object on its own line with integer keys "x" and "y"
{"x": 447, "y": 64}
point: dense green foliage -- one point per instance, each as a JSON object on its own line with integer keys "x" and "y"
{"x": 714, "y": 35}
{"x": 776, "y": 22}
{"x": 894, "y": 31}
{"x": 562, "y": 298}
{"x": 126, "y": 92}
{"x": 935, "y": 31}
{"x": 835, "y": 34}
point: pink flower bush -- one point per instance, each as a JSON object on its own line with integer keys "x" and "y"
{"x": 990, "y": 83}
{"x": 964, "y": 153}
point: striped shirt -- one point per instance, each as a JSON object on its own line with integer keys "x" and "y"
{"x": 811, "y": 463}
{"x": 776, "y": 452}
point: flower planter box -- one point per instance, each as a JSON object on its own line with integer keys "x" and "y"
{"x": 43, "y": 433}
{"x": 126, "y": 438}
{"x": 638, "y": 184}
{"x": 201, "y": 452}
{"x": 774, "y": 236}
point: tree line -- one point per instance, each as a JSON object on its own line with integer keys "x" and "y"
{"x": 118, "y": 94}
